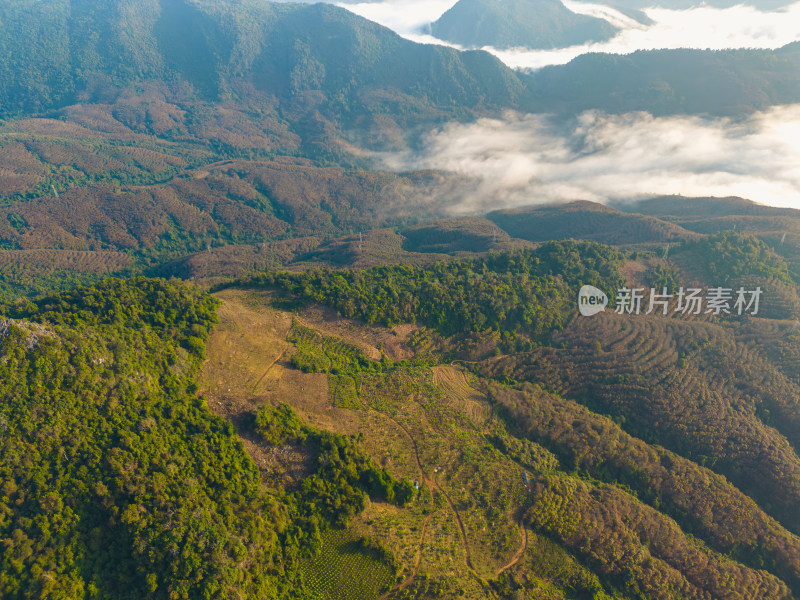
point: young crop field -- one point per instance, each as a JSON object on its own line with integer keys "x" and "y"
{"x": 343, "y": 392}
{"x": 321, "y": 354}
{"x": 346, "y": 569}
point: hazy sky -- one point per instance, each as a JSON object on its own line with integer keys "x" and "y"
{"x": 525, "y": 159}
{"x": 737, "y": 27}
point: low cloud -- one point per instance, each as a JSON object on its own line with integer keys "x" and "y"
{"x": 405, "y": 17}
{"x": 601, "y": 11}
{"x": 702, "y": 27}
{"x": 528, "y": 159}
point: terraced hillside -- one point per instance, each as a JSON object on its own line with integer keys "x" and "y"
{"x": 36, "y": 272}
{"x": 477, "y": 529}
{"x": 667, "y": 382}
{"x": 376, "y": 400}
{"x": 625, "y": 456}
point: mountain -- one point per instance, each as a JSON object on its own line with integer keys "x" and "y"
{"x": 518, "y": 24}
{"x": 103, "y": 227}
{"x": 314, "y": 57}
{"x": 588, "y": 221}
{"x": 647, "y": 453}
{"x": 683, "y": 208}
{"x": 319, "y": 78}
{"x": 779, "y": 227}
{"x": 667, "y": 82}
{"x": 364, "y": 397}
{"x": 298, "y": 427}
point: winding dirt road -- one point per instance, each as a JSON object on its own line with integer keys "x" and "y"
{"x": 407, "y": 581}
{"x": 519, "y": 553}
{"x": 432, "y": 483}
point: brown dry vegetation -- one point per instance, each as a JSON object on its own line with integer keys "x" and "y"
{"x": 73, "y": 260}
{"x": 20, "y": 170}
{"x": 237, "y": 260}
{"x": 461, "y": 234}
{"x": 233, "y": 201}
{"x": 367, "y": 249}
{"x": 589, "y": 221}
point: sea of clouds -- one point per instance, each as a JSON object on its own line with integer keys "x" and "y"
{"x": 530, "y": 159}
{"x": 526, "y": 159}
{"x": 702, "y": 27}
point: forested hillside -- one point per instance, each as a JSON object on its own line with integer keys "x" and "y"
{"x": 88, "y": 50}
{"x": 668, "y": 82}
{"x": 317, "y": 67}
{"x": 117, "y": 480}
{"x": 463, "y": 400}
{"x": 587, "y": 221}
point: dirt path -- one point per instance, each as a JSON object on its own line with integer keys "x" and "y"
{"x": 435, "y": 485}
{"x": 407, "y": 581}
{"x": 519, "y": 553}
{"x": 272, "y": 364}
{"x": 460, "y": 526}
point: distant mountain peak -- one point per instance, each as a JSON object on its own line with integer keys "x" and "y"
{"x": 519, "y": 23}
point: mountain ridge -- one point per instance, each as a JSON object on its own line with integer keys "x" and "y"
{"x": 518, "y": 23}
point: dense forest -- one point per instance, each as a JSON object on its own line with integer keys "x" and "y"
{"x": 359, "y": 74}
{"x": 90, "y": 50}
{"x": 530, "y": 292}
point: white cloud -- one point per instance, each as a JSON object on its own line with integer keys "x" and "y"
{"x": 601, "y": 11}
{"x": 527, "y": 159}
{"x": 702, "y": 27}
{"x": 405, "y": 17}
